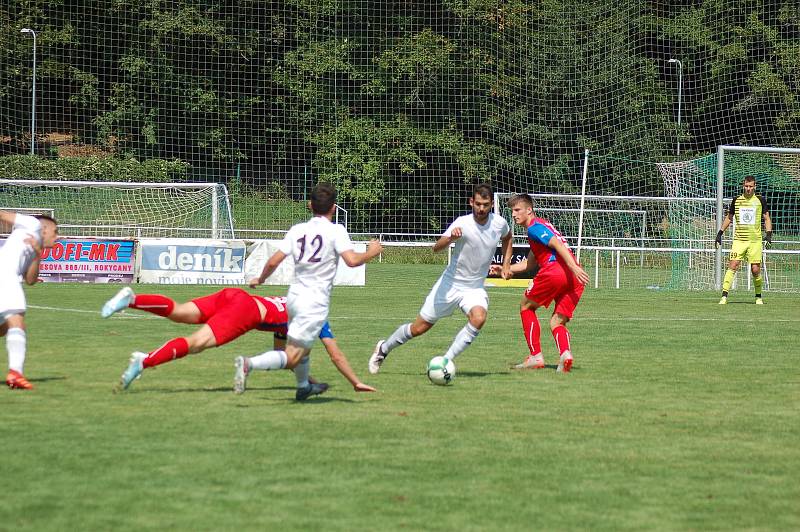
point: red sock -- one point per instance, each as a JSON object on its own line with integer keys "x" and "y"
{"x": 175, "y": 348}
{"x": 561, "y": 336}
{"x": 530, "y": 329}
{"x": 154, "y": 303}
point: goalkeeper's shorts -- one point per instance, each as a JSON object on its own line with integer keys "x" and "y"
{"x": 746, "y": 251}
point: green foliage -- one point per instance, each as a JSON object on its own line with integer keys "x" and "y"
{"x": 365, "y": 160}
{"x": 373, "y": 97}
{"x": 93, "y": 169}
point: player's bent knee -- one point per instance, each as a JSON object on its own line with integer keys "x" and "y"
{"x": 293, "y": 359}
{"x": 199, "y": 346}
{"x": 294, "y": 354}
{"x": 477, "y": 317}
{"x": 201, "y": 340}
{"x": 558, "y": 320}
{"x": 420, "y": 326}
{"x": 15, "y": 321}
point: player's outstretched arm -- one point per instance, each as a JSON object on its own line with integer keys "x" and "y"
{"x": 767, "y": 229}
{"x": 269, "y": 268}
{"x": 32, "y": 273}
{"x": 354, "y": 258}
{"x": 340, "y": 361}
{"x": 508, "y": 249}
{"x": 528, "y": 264}
{"x": 7, "y": 219}
{"x": 563, "y": 252}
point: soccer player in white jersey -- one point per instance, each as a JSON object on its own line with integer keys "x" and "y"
{"x": 315, "y": 246}
{"x": 19, "y": 260}
{"x": 461, "y": 284}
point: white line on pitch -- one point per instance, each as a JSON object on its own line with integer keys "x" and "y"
{"x": 543, "y": 318}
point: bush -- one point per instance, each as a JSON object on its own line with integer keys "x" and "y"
{"x": 93, "y": 169}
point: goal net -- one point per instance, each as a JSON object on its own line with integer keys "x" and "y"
{"x": 653, "y": 224}
{"x": 403, "y": 105}
{"x": 111, "y": 209}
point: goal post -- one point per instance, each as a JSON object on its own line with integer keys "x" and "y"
{"x": 126, "y": 210}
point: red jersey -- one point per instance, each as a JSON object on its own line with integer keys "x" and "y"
{"x": 231, "y": 312}
{"x": 277, "y": 318}
{"x": 540, "y": 231}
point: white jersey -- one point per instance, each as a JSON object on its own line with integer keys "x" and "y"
{"x": 15, "y": 255}
{"x": 315, "y": 246}
{"x": 473, "y": 252}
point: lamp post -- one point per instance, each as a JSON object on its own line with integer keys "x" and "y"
{"x": 680, "y": 91}
{"x": 33, "y": 91}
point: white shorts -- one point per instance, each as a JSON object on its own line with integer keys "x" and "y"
{"x": 444, "y": 298}
{"x": 12, "y": 299}
{"x": 308, "y": 312}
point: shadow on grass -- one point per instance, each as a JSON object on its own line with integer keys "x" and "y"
{"x": 250, "y": 391}
{"x": 479, "y": 373}
{"x": 48, "y": 379}
{"x": 220, "y": 389}
{"x": 458, "y": 373}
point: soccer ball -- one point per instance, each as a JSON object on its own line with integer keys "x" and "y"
{"x": 441, "y": 371}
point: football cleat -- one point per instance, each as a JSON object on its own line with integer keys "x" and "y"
{"x": 312, "y": 389}
{"x": 133, "y": 371}
{"x": 723, "y": 300}
{"x": 119, "y": 302}
{"x": 242, "y": 366}
{"x": 531, "y": 362}
{"x": 759, "y": 301}
{"x": 377, "y": 358}
{"x": 16, "y": 381}
{"x": 564, "y": 362}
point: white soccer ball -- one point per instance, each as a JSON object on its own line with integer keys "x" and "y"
{"x": 441, "y": 371}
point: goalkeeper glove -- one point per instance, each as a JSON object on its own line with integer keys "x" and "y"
{"x": 768, "y": 239}
{"x": 718, "y": 240}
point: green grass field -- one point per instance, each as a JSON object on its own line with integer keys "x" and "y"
{"x": 679, "y": 414}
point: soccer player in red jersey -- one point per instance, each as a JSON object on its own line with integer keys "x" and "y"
{"x": 559, "y": 278}
{"x": 225, "y": 315}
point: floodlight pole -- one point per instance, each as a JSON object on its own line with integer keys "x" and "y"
{"x": 680, "y": 94}
{"x": 33, "y": 91}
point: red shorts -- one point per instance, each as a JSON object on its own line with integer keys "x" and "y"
{"x": 230, "y": 313}
{"x": 554, "y": 283}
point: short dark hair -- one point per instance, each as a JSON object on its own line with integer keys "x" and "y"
{"x": 749, "y": 178}
{"x": 483, "y": 190}
{"x": 517, "y": 198}
{"x": 323, "y": 197}
{"x": 44, "y": 217}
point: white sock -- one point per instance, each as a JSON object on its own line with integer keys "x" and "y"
{"x": 462, "y": 340}
{"x": 271, "y": 360}
{"x": 16, "y": 344}
{"x": 301, "y": 372}
{"x": 400, "y": 336}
